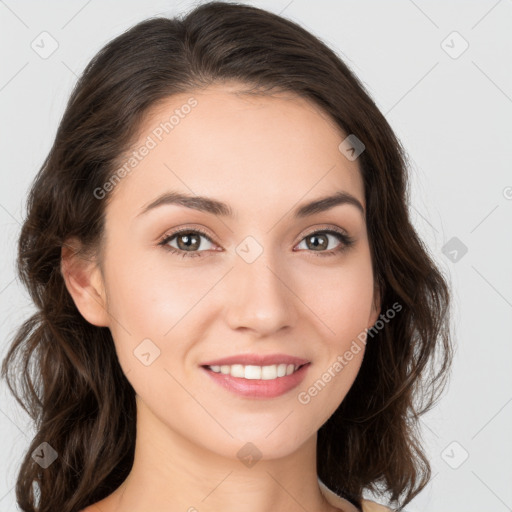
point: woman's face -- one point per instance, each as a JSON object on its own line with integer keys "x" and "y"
{"x": 261, "y": 281}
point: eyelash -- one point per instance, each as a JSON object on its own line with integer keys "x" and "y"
{"x": 346, "y": 242}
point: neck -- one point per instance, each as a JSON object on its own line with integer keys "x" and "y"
{"x": 170, "y": 474}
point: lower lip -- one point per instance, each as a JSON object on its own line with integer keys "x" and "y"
{"x": 259, "y": 388}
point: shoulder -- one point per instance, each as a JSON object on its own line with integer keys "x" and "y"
{"x": 346, "y": 506}
{"x": 371, "y": 506}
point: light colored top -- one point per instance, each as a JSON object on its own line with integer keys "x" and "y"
{"x": 346, "y": 506}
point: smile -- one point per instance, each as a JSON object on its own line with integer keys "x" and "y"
{"x": 262, "y": 382}
{"x": 252, "y": 372}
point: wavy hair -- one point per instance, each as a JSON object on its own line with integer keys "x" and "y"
{"x": 64, "y": 371}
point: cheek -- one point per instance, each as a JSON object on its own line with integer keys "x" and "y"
{"x": 149, "y": 296}
{"x": 339, "y": 296}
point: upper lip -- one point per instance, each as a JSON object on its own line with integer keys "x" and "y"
{"x": 257, "y": 360}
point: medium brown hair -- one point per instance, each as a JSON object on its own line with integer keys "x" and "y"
{"x": 64, "y": 371}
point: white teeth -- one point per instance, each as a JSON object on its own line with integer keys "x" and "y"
{"x": 269, "y": 372}
{"x": 252, "y": 372}
{"x": 237, "y": 370}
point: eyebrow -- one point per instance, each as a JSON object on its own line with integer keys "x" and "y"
{"x": 218, "y": 208}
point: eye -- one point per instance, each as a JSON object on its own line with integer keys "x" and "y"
{"x": 320, "y": 240}
{"x": 188, "y": 242}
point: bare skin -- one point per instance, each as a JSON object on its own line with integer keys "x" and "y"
{"x": 264, "y": 156}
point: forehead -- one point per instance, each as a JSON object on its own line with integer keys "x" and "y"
{"x": 248, "y": 150}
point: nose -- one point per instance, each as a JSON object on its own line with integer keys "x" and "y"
{"x": 260, "y": 297}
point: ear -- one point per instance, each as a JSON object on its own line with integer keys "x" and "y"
{"x": 84, "y": 282}
{"x": 376, "y": 306}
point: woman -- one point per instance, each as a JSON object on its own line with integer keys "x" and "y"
{"x": 234, "y": 309}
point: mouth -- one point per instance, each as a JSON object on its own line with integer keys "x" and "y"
{"x": 258, "y": 382}
{"x": 255, "y": 372}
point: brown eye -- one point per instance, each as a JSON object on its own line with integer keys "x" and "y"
{"x": 319, "y": 242}
{"x": 188, "y": 242}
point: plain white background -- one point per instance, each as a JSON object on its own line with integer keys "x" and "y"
{"x": 440, "y": 72}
